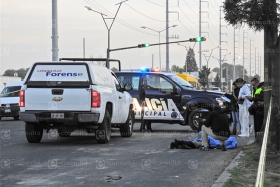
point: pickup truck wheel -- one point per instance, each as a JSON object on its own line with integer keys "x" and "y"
{"x": 126, "y": 129}
{"x": 63, "y": 134}
{"x": 194, "y": 120}
{"x": 103, "y": 133}
{"x": 34, "y": 132}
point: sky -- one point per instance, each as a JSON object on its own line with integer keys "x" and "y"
{"x": 26, "y": 32}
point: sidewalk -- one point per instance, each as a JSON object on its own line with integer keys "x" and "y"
{"x": 226, "y": 174}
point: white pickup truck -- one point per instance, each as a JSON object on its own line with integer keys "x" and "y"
{"x": 74, "y": 95}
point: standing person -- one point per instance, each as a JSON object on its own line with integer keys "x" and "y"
{"x": 215, "y": 125}
{"x": 258, "y": 104}
{"x": 235, "y": 108}
{"x": 244, "y": 104}
{"x": 255, "y": 85}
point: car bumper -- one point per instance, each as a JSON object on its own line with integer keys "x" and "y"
{"x": 71, "y": 118}
{"x": 12, "y": 111}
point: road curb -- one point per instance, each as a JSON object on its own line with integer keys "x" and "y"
{"x": 226, "y": 174}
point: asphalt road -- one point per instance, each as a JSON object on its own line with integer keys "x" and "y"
{"x": 141, "y": 160}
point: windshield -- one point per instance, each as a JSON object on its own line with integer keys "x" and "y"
{"x": 11, "y": 91}
{"x": 185, "y": 85}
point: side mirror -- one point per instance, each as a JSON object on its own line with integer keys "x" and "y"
{"x": 127, "y": 87}
{"x": 176, "y": 90}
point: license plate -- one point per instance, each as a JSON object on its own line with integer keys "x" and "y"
{"x": 57, "y": 115}
{"x": 7, "y": 110}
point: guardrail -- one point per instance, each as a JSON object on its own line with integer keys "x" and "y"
{"x": 261, "y": 167}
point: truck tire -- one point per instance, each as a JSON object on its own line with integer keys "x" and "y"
{"x": 63, "y": 134}
{"x": 103, "y": 133}
{"x": 33, "y": 132}
{"x": 194, "y": 120}
{"x": 126, "y": 129}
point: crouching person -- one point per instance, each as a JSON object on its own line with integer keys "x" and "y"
{"x": 215, "y": 125}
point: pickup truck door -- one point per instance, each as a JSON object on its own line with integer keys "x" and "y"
{"x": 162, "y": 98}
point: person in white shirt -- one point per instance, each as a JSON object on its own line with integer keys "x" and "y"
{"x": 244, "y": 103}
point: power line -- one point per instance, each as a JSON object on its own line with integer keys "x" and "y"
{"x": 120, "y": 20}
{"x": 187, "y": 16}
{"x": 213, "y": 7}
{"x": 156, "y": 4}
{"x": 186, "y": 28}
{"x": 147, "y": 16}
{"x": 190, "y": 8}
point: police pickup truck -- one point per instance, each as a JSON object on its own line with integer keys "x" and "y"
{"x": 74, "y": 95}
{"x": 168, "y": 98}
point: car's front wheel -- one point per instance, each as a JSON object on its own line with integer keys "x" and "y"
{"x": 33, "y": 132}
{"x": 194, "y": 120}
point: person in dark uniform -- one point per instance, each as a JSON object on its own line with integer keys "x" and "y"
{"x": 258, "y": 106}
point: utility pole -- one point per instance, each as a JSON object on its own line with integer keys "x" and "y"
{"x": 199, "y": 34}
{"x": 255, "y": 60}
{"x": 220, "y": 49}
{"x": 167, "y": 38}
{"x": 54, "y": 31}
{"x": 220, "y": 42}
{"x": 244, "y": 48}
{"x": 251, "y": 39}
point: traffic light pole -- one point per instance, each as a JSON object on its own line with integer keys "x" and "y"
{"x": 123, "y": 48}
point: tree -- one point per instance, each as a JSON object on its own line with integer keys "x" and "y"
{"x": 21, "y": 72}
{"x": 203, "y": 76}
{"x": 191, "y": 62}
{"x": 217, "y": 80}
{"x": 177, "y": 69}
{"x": 262, "y": 15}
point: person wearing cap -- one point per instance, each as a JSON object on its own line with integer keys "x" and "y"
{"x": 215, "y": 125}
{"x": 243, "y": 103}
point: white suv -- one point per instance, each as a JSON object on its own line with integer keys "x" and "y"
{"x": 74, "y": 95}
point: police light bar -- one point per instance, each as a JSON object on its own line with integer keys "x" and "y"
{"x": 155, "y": 69}
{"x": 145, "y": 69}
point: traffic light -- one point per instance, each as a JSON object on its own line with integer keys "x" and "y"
{"x": 198, "y": 39}
{"x": 144, "y": 45}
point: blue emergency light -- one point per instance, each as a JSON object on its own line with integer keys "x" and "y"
{"x": 145, "y": 69}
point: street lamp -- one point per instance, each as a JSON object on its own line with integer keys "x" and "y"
{"x": 144, "y": 27}
{"x": 108, "y": 28}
